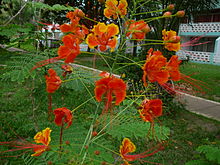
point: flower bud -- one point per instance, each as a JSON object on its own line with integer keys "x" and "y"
{"x": 167, "y": 14}
{"x": 101, "y": 1}
{"x": 79, "y": 13}
{"x": 94, "y": 133}
{"x": 180, "y": 13}
{"x": 175, "y": 39}
{"x": 49, "y": 163}
{"x": 67, "y": 142}
{"x": 97, "y": 152}
{"x": 171, "y": 7}
{"x": 146, "y": 29}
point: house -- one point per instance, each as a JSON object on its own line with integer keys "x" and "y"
{"x": 207, "y": 49}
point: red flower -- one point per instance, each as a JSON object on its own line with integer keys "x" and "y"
{"x": 128, "y": 147}
{"x": 67, "y": 69}
{"x": 70, "y": 49}
{"x": 154, "y": 68}
{"x": 150, "y": 109}
{"x": 76, "y": 14}
{"x": 173, "y": 68}
{"x": 157, "y": 69}
{"x": 137, "y": 29}
{"x": 63, "y": 115}
{"x": 79, "y": 31}
{"x": 53, "y": 81}
{"x": 109, "y": 86}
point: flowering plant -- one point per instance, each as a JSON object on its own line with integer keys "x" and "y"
{"x": 110, "y": 91}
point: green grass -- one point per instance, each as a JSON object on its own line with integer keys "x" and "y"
{"x": 24, "y": 111}
{"x": 93, "y": 61}
{"x": 209, "y": 74}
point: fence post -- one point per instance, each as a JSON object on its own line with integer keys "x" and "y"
{"x": 217, "y": 48}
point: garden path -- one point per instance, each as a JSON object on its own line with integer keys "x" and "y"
{"x": 207, "y": 108}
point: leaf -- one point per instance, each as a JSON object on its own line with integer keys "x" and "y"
{"x": 197, "y": 162}
{"x": 212, "y": 153}
{"x": 18, "y": 69}
{"x": 80, "y": 78}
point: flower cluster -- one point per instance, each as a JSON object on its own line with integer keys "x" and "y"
{"x": 115, "y": 9}
{"x": 157, "y": 69}
{"x": 137, "y": 29}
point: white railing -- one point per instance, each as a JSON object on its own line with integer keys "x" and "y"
{"x": 200, "y": 27}
{"x": 196, "y": 56}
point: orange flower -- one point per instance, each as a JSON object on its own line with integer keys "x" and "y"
{"x": 70, "y": 49}
{"x": 63, "y": 115}
{"x": 128, "y": 147}
{"x": 115, "y": 8}
{"x": 41, "y": 137}
{"x": 76, "y": 14}
{"x": 150, "y": 109}
{"x": 154, "y": 68}
{"x": 53, "y": 81}
{"x": 157, "y": 69}
{"x": 103, "y": 36}
{"x": 79, "y": 31}
{"x": 138, "y": 29}
{"x": 171, "y": 40}
{"x": 67, "y": 69}
{"x": 173, "y": 68}
{"x": 44, "y": 138}
{"x": 108, "y": 86}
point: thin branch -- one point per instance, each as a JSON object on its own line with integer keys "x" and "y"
{"x": 16, "y": 14}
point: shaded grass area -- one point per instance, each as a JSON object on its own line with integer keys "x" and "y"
{"x": 209, "y": 74}
{"x": 23, "y": 112}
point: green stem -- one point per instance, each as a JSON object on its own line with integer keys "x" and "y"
{"x": 91, "y": 19}
{"x": 61, "y": 136}
{"x": 106, "y": 148}
{"x": 64, "y": 81}
{"x": 50, "y": 111}
{"x": 147, "y": 44}
{"x": 89, "y": 135}
{"x": 146, "y": 40}
{"x": 117, "y": 116}
{"x": 149, "y": 12}
{"x": 81, "y": 104}
{"x": 155, "y": 18}
{"x": 143, "y": 4}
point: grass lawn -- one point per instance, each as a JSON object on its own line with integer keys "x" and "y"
{"x": 23, "y": 112}
{"x": 209, "y": 74}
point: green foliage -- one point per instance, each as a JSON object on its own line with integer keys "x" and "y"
{"x": 56, "y": 7}
{"x": 136, "y": 129}
{"x": 14, "y": 32}
{"x": 19, "y": 67}
{"x": 212, "y": 153}
{"x": 80, "y": 79}
{"x": 209, "y": 154}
